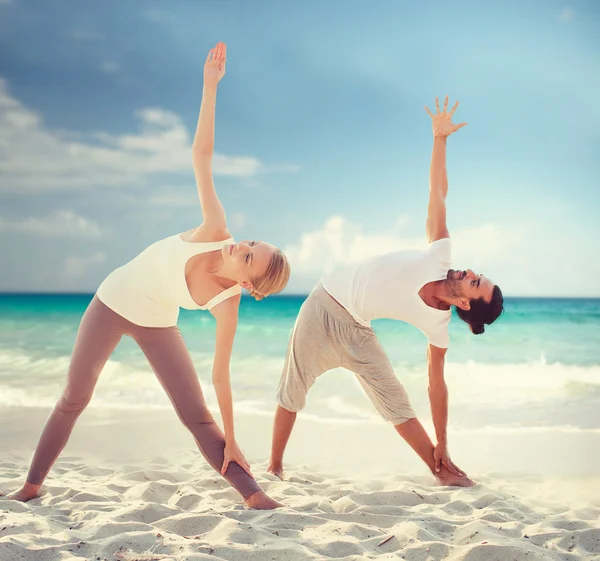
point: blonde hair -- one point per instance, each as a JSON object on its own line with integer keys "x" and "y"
{"x": 274, "y": 278}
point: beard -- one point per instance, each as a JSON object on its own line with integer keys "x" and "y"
{"x": 454, "y": 288}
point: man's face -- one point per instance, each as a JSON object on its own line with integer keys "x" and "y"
{"x": 469, "y": 285}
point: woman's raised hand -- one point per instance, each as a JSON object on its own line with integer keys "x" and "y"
{"x": 214, "y": 67}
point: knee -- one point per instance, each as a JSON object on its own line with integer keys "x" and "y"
{"x": 398, "y": 413}
{"x": 407, "y": 419}
{"x": 70, "y": 404}
{"x": 286, "y": 410}
{"x": 292, "y": 402}
{"x": 197, "y": 422}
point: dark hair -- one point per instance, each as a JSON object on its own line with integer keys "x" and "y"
{"x": 482, "y": 312}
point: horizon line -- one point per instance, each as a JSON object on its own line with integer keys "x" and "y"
{"x": 291, "y": 295}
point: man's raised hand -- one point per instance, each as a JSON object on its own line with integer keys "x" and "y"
{"x": 441, "y": 122}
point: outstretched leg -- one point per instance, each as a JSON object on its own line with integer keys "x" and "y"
{"x": 98, "y": 335}
{"x": 312, "y": 350}
{"x": 375, "y": 373}
{"x": 170, "y": 360}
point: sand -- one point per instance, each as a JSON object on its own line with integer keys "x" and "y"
{"x": 132, "y": 487}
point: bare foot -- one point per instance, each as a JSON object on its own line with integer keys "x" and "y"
{"x": 276, "y": 470}
{"x": 260, "y": 501}
{"x": 26, "y": 493}
{"x": 446, "y": 477}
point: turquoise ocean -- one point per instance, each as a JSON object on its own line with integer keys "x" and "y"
{"x": 537, "y": 368}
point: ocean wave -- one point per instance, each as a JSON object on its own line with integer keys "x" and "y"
{"x": 520, "y": 383}
{"x": 336, "y": 414}
{"x": 526, "y": 396}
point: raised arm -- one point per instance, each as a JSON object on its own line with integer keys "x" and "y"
{"x": 226, "y": 314}
{"x": 204, "y": 140}
{"x": 438, "y": 179}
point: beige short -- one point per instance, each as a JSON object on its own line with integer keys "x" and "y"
{"x": 326, "y": 336}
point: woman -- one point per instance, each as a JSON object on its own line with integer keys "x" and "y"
{"x": 199, "y": 269}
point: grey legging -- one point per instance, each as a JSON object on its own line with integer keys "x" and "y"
{"x": 99, "y": 333}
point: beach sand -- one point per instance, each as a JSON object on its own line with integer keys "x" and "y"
{"x": 131, "y": 485}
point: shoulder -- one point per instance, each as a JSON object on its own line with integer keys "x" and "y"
{"x": 441, "y": 248}
{"x": 439, "y": 340}
{"x": 227, "y": 310}
{"x": 442, "y": 243}
{"x": 226, "y": 316}
{"x": 206, "y": 233}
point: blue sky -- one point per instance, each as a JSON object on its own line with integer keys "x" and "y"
{"x": 322, "y": 142}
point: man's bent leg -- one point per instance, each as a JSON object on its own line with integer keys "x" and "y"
{"x": 282, "y": 428}
{"x": 370, "y": 363}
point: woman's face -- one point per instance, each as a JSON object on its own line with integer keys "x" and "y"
{"x": 247, "y": 259}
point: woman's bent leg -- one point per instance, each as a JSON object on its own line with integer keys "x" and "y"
{"x": 170, "y": 360}
{"x": 98, "y": 335}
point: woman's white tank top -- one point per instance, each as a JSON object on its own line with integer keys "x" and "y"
{"x": 150, "y": 289}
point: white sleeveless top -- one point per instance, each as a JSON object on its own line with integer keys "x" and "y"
{"x": 150, "y": 289}
{"x": 387, "y": 286}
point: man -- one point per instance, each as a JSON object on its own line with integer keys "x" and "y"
{"x": 419, "y": 287}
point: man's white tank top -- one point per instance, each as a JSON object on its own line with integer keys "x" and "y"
{"x": 150, "y": 289}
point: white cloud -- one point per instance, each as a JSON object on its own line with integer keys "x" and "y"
{"x": 567, "y": 14}
{"x": 5, "y": 1}
{"x": 340, "y": 242}
{"x": 60, "y": 224}
{"x": 76, "y": 266}
{"x": 34, "y": 158}
{"x": 523, "y": 259}
{"x": 239, "y": 167}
